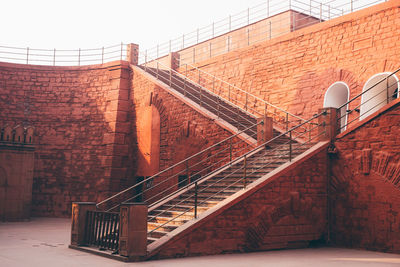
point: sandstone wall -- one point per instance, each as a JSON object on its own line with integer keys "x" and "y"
{"x": 295, "y": 70}
{"x": 364, "y": 187}
{"x": 80, "y": 119}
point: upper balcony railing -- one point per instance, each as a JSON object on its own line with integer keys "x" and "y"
{"x": 305, "y": 13}
{"x": 59, "y": 57}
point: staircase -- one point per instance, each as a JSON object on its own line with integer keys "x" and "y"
{"x": 168, "y": 215}
{"x": 226, "y": 111}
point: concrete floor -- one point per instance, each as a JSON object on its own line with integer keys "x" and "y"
{"x": 43, "y": 242}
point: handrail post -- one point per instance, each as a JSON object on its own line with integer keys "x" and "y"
{"x": 79, "y": 57}
{"x": 387, "y": 90}
{"x": 170, "y": 78}
{"x": 27, "y": 55}
{"x": 290, "y": 146}
{"x": 218, "y": 101}
{"x": 79, "y": 211}
{"x": 270, "y": 30}
{"x": 54, "y": 57}
{"x": 320, "y": 12}
{"x": 230, "y": 151}
{"x": 122, "y": 49}
{"x": 287, "y": 121}
{"x": 245, "y": 107}
{"x": 145, "y": 60}
{"x": 102, "y": 55}
{"x": 244, "y": 171}
{"x": 195, "y": 199}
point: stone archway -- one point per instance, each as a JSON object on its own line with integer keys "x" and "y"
{"x": 336, "y": 96}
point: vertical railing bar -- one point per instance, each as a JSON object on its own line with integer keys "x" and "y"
{"x": 122, "y": 49}
{"x": 103, "y": 230}
{"x": 287, "y": 122}
{"x": 290, "y": 146}
{"x": 107, "y": 232}
{"x": 248, "y": 16}
{"x": 79, "y": 57}
{"x": 54, "y": 57}
{"x": 102, "y": 55}
{"x": 270, "y": 30}
{"x": 230, "y": 150}
{"x": 195, "y": 199}
{"x": 27, "y": 55}
{"x": 110, "y": 232}
{"x": 387, "y": 90}
{"x": 245, "y": 171}
{"x": 96, "y": 228}
{"x": 320, "y": 12}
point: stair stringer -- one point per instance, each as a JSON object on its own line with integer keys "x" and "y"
{"x": 164, "y": 242}
{"x": 220, "y": 122}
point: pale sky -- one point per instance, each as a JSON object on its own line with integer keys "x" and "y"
{"x": 76, "y": 24}
{"x": 73, "y": 24}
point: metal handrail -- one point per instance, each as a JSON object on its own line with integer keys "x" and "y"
{"x": 226, "y": 140}
{"x": 64, "y": 57}
{"x": 157, "y": 71}
{"x": 388, "y": 99}
{"x": 266, "y": 103}
{"x": 243, "y": 157}
{"x": 315, "y": 9}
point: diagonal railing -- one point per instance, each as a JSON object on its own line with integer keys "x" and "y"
{"x": 233, "y": 32}
{"x": 373, "y": 97}
{"x": 249, "y": 102}
{"x": 248, "y": 166}
{"x": 152, "y": 189}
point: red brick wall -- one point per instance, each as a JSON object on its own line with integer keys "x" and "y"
{"x": 365, "y": 196}
{"x": 295, "y": 70}
{"x": 79, "y": 115}
{"x": 286, "y": 211}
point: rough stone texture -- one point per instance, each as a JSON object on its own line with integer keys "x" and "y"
{"x": 295, "y": 70}
{"x": 79, "y": 115}
{"x": 183, "y": 130}
{"x": 16, "y": 177}
{"x": 289, "y": 211}
{"x": 365, "y": 196}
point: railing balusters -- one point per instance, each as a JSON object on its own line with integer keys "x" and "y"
{"x": 101, "y": 229}
{"x": 195, "y": 199}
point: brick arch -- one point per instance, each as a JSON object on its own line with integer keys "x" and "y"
{"x": 158, "y": 104}
{"x": 295, "y": 206}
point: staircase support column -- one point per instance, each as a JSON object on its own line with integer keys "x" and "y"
{"x": 328, "y": 126}
{"x": 264, "y": 130}
{"x": 79, "y": 210}
{"x": 132, "y": 52}
{"x": 173, "y": 60}
{"x": 133, "y": 231}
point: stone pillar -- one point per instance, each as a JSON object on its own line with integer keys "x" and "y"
{"x": 328, "y": 124}
{"x": 79, "y": 210}
{"x": 133, "y": 230}
{"x": 264, "y": 130}
{"x": 173, "y": 60}
{"x": 132, "y": 54}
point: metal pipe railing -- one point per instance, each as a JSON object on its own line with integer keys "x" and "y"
{"x": 308, "y": 9}
{"x": 246, "y": 171}
{"x": 372, "y": 102}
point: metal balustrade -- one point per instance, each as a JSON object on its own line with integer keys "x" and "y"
{"x": 247, "y": 101}
{"x": 165, "y": 182}
{"x": 102, "y": 229}
{"x": 62, "y": 57}
{"x": 234, "y": 176}
{"x": 388, "y": 92}
{"x": 311, "y": 12}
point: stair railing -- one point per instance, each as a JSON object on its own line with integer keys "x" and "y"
{"x": 202, "y": 96}
{"x": 247, "y": 167}
{"x": 166, "y": 182}
{"x": 386, "y": 91}
{"x": 249, "y": 102}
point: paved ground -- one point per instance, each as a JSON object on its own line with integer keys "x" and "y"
{"x": 43, "y": 242}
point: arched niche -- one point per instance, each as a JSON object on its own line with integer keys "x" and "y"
{"x": 336, "y": 96}
{"x": 377, "y": 92}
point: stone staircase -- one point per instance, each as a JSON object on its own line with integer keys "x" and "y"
{"x": 180, "y": 209}
{"x": 225, "y": 110}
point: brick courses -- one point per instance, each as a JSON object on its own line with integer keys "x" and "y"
{"x": 79, "y": 115}
{"x": 295, "y": 70}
